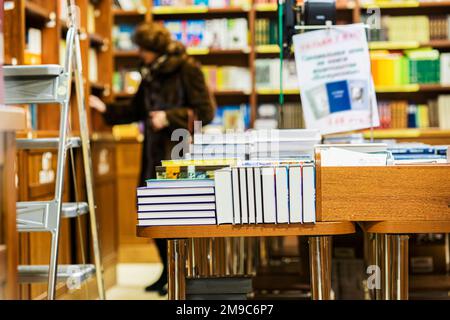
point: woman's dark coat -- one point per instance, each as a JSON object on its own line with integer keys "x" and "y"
{"x": 174, "y": 83}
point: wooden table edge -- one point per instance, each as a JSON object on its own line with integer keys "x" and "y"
{"x": 229, "y": 231}
{"x": 406, "y": 227}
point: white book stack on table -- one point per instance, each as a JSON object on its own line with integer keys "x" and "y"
{"x": 177, "y": 202}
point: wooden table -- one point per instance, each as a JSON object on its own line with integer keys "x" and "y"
{"x": 320, "y": 237}
{"x": 11, "y": 120}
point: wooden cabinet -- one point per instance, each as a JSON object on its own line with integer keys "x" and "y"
{"x": 11, "y": 119}
{"x": 393, "y": 193}
{"x": 105, "y": 186}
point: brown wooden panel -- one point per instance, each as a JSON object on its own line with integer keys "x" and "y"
{"x": 406, "y": 227}
{"x": 384, "y": 193}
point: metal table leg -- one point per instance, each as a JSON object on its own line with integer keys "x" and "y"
{"x": 320, "y": 262}
{"x": 399, "y": 268}
{"x": 177, "y": 269}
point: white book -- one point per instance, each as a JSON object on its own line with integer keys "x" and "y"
{"x": 176, "y": 214}
{"x": 149, "y": 192}
{"x": 309, "y": 194}
{"x": 34, "y": 41}
{"x": 236, "y": 196}
{"x": 244, "y": 194}
{"x": 176, "y": 207}
{"x": 251, "y": 196}
{"x": 445, "y": 68}
{"x": 177, "y": 199}
{"x": 258, "y": 197}
{"x": 295, "y": 195}
{"x": 177, "y": 222}
{"x": 180, "y": 183}
{"x": 224, "y": 196}
{"x": 268, "y": 195}
{"x": 282, "y": 191}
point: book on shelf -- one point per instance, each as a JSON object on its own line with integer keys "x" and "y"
{"x": 270, "y": 116}
{"x": 225, "y": 34}
{"x": 445, "y": 69}
{"x": 91, "y": 15}
{"x": 235, "y": 118}
{"x": 419, "y": 28}
{"x": 130, "y": 5}
{"x": 443, "y": 104}
{"x": 93, "y": 65}
{"x": 268, "y": 74}
{"x": 33, "y": 47}
{"x": 180, "y": 183}
{"x": 400, "y": 114}
{"x": 122, "y": 37}
{"x": 418, "y": 66}
{"x": 223, "y": 78}
{"x": 126, "y": 81}
{"x": 266, "y": 32}
{"x": 259, "y": 194}
{"x": 207, "y": 3}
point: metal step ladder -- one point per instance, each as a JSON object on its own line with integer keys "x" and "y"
{"x": 52, "y": 84}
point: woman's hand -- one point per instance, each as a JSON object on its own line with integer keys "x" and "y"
{"x": 97, "y": 104}
{"x": 159, "y": 121}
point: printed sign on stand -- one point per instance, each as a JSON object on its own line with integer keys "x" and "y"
{"x": 336, "y": 85}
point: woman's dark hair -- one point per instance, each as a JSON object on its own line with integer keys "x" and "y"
{"x": 152, "y": 36}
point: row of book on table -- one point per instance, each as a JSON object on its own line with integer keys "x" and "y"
{"x": 251, "y": 193}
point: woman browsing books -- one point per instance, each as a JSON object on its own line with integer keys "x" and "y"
{"x": 173, "y": 93}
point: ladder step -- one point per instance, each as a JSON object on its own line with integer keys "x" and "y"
{"x": 34, "y": 84}
{"x": 39, "y": 216}
{"x": 73, "y": 274}
{"x": 46, "y": 143}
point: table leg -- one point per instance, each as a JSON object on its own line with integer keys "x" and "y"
{"x": 177, "y": 269}
{"x": 399, "y": 268}
{"x": 320, "y": 262}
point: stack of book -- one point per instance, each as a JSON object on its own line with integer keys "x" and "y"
{"x": 221, "y": 146}
{"x": 256, "y": 144}
{"x": 213, "y": 33}
{"x": 266, "y": 193}
{"x": 177, "y": 203}
{"x": 284, "y": 144}
{"x": 418, "y": 152}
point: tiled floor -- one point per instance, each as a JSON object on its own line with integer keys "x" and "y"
{"x": 132, "y": 279}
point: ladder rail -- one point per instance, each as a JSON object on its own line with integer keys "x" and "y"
{"x": 62, "y": 156}
{"x": 87, "y": 161}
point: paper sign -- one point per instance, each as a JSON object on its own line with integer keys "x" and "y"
{"x": 336, "y": 85}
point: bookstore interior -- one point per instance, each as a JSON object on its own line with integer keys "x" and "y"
{"x": 225, "y": 150}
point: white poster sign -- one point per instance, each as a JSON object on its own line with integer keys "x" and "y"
{"x": 336, "y": 86}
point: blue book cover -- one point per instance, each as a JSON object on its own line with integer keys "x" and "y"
{"x": 338, "y": 96}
